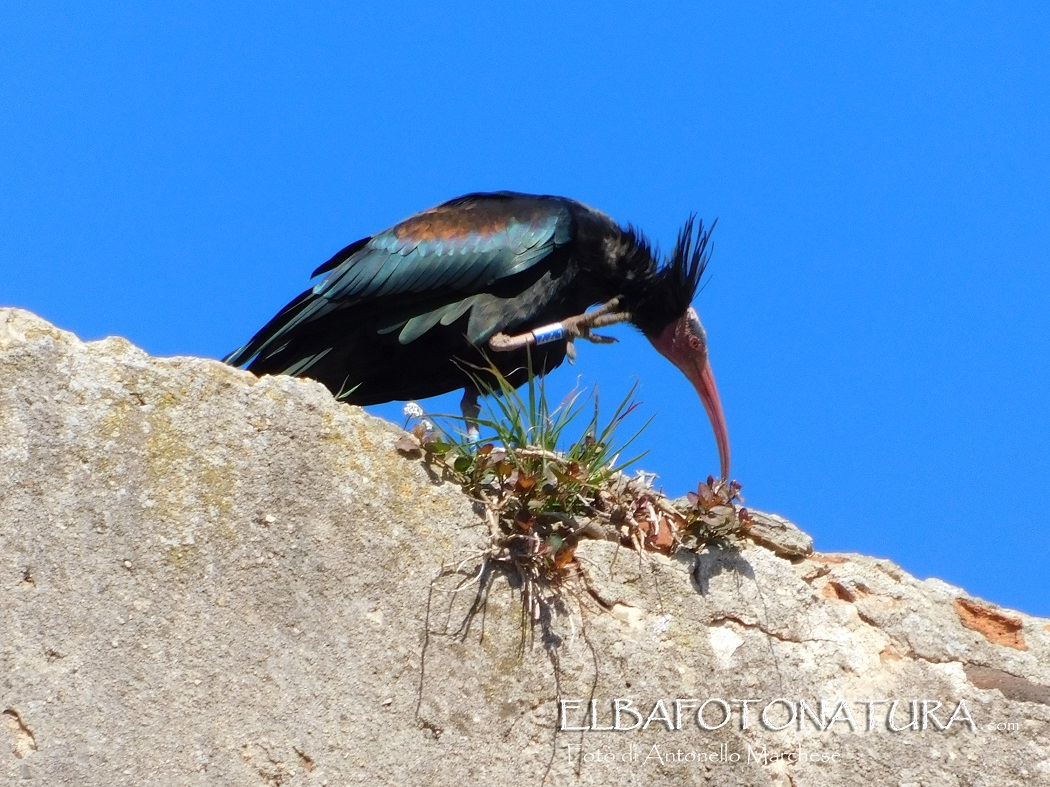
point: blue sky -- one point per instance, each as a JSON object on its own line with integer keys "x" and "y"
{"x": 877, "y": 301}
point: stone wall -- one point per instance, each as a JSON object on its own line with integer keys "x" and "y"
{"x": 207, "y": 578}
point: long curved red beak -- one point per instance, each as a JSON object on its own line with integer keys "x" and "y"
{"x": 684, "y": 343}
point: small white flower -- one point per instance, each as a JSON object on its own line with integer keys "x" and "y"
{"x": 646, "y": 478}
{"x": 426, "y": 424}
{"x": 413, "y": 410}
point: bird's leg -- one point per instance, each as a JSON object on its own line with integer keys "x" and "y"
{"x": 579, "y": 327}
{"x": 470, "y": 408}
{"x": 569, "y": 329}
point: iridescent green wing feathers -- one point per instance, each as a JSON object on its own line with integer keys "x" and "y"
{"x": 427, "y": 268}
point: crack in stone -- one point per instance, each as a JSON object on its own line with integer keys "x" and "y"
{"x": 1012, "y": 687}
{"x": 758, "y": 626}
{"x": 821, "y": 571}
{"x": 25, "y": 739}
{"x": 308, "y": 762}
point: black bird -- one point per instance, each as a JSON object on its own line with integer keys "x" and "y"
{"x": 401, "y": 314}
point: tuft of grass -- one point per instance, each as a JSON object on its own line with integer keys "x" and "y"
{"x": 543, "y": 482}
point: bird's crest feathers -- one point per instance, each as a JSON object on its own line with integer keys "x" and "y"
{"x": 688, "y": 262}
{"x": 665, "y": 291}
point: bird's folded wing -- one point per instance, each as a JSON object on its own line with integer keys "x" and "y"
{"x": 437, "y": 259}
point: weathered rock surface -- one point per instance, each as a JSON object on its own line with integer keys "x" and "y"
{"x": 207, "y": 578}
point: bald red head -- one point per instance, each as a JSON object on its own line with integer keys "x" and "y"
{"x": 684, "y": 344}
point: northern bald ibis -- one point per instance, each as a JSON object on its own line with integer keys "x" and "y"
{"x": 398, "y": 314}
